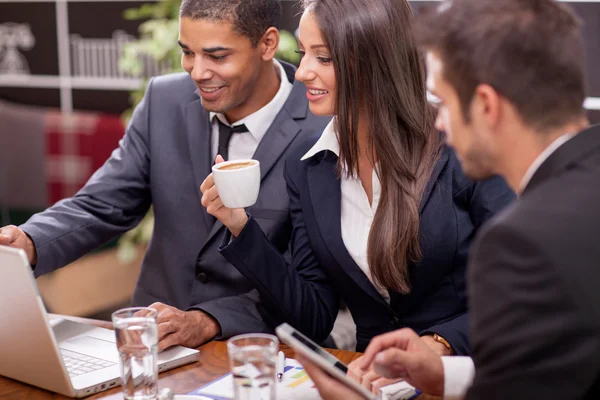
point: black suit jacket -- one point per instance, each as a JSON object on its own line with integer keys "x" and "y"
{"x": 535, "y": 284}
{"x": 307, "y": 293}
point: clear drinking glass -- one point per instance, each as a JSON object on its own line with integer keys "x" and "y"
{"x": 252, "y": 358}
{"x": 137, "y": 342}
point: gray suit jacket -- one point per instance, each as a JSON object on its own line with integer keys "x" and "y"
{"x": 162, "y": 160}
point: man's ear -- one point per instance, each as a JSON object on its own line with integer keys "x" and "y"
{"x": 269, "y": 43}
{"x": 486, "y": 103}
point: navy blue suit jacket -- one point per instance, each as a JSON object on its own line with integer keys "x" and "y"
{"x": 307, "y": 292}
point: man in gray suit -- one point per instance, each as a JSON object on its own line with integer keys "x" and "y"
{"x": 241, "y": 103}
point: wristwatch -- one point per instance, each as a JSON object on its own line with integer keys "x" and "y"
{"x": 443, "y": 341}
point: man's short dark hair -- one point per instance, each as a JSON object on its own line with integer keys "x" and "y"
{"x": 530, "y": 51}
{"x": 250, "y": 18}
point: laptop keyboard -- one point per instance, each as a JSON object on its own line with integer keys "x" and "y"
{"x": 79, "y": 364}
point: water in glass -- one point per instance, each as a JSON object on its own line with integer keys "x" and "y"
{"x": 253, "y": 369}
{"x": 253, "y": 359}
{"x": 137, "y": 343}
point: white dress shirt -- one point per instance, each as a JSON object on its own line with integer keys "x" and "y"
{"x": 459, "y": 371}
{"x": 535, "y": 165}
{"x": 243, "y": 145}
{"x": 458, "y": 376}
{"x": 357, "y": 214}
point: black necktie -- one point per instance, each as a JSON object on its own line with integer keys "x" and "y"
{"x": 225, "y": 133}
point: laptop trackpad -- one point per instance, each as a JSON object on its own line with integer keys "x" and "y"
{"x": 93, "y": 347}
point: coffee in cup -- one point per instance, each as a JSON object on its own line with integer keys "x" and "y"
{"x": 235, "y": 165}
{"x": 238, "y": 182}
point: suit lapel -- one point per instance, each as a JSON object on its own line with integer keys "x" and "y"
{"x": 278, "y": 137}
{"x": 326, "y": 196}
{"x": 199, "y": 138}
{"x": 571, "y": 152}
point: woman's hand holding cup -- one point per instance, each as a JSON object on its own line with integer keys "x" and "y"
{"x": 233, "y": 182}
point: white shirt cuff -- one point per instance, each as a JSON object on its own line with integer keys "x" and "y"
{"x": 458, "y": 376}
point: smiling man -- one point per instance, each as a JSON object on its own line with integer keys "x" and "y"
{"x": 235, "y": 100}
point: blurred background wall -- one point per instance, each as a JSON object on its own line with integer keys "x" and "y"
{"x": 63, "y": 95}
{"x": 66, "y": 52}
{"x": 589, "y": 12}
{"x": 78, "y": 40}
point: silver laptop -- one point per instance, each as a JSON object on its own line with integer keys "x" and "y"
{"x": 59, "y": 355}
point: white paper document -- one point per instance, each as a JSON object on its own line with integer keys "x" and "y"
{"x": 297, "y": 385}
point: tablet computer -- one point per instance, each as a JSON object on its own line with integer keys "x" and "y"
{"x": 320, "y": 357}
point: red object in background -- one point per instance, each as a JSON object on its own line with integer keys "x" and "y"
{"x": 77, "y": 145}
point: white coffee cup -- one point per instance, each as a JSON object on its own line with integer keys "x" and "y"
{"x": 238, "y": 182}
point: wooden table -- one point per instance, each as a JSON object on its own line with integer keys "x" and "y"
{"x": 213, "y": 363}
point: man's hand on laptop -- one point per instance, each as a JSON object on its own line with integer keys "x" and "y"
{"x": 14, "y": 237}
{"x": 183, "y": 328}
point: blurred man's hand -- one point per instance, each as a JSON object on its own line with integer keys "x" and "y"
{"x": 14, "y": 237}
{"x": 183, "y": 328}
{"x": 404, "y": 355}
{"x": 368, "y": 378}
{"x": 329, "y": 388}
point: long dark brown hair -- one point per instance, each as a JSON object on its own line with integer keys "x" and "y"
{"x": 380, "y": 75}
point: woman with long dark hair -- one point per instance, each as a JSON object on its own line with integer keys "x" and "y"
{"x": 382, "y": 213}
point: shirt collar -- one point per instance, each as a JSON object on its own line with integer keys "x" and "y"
{"x": 535, "y": 165}
{"x": 259, "y": 121}
{"x": 327, "y": 141}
